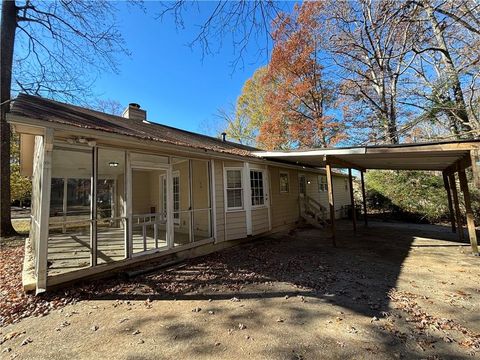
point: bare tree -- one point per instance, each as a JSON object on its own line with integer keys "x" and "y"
{"x": 243, "y": 21}
{"x": 370, "y": 44}
{"x": 108, "y": 106}
{"x": 448, "y": 46}
{"x": 57, "y": 46}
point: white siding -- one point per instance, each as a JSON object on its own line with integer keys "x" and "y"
{"x": 236, "y": 225}
{"x": 259, "y": 221}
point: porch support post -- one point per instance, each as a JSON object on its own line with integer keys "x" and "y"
{"x": 364, "y": 198}
{"x": 93, "y": 209}
{"x": 128, "y": 207}
{"x": 456, "y": 206}
{"x": 450, "y": 203}
{"x": 352, "y": 200}
{"x": 46, "y": 181}
{"x": 475, "y": 159}
{"x": 331, "y": 203}
{"x": 468, "y": 209}
{"x": 64, "y": 204}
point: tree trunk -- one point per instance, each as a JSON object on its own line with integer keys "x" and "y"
{"x": 460, "y": 111}
{"x": 7, "y": 42}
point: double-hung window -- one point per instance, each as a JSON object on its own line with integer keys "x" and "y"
{"x": 256, "y": 185}
{"x": 176, "y": 198}
{"x": 322, "y": 183}
{"x": 234, "y": 189}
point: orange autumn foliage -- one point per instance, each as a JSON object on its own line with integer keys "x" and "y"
{"x": 299, "y": 96}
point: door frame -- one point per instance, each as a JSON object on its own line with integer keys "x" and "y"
{"x": 169, "y": 218}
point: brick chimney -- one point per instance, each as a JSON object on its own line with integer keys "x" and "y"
{"x": 134, "y": 112}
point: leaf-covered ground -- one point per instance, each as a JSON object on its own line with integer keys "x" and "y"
{"x": 391, "y": 291}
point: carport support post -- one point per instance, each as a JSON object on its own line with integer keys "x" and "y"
{"x": 453, "y": 189}
{"x": 449, "y": 198}
{"x": 364, "y": 197}
{"x": 331, "y": 203}
{"x": 468, "y": 209}
{"x": 352, "y": 200}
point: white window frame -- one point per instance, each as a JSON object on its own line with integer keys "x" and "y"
{"x": 280, "y": 182}
{"x": 176, "y": 221}
{"x": 263, "y": 188}
{"x": 322, "y": 185}
{"x": 225, "y": 188}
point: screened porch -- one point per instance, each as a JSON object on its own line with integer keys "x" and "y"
{"x": 108, "y": 205}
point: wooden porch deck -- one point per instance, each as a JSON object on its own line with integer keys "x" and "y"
{"x": 70, "y": 252}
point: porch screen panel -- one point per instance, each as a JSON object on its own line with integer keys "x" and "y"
{"x": 70, "y": 213}
{"x": 182, "y": 214}
{"x": 201, "y": 206}
{"x": 111, "y": 212}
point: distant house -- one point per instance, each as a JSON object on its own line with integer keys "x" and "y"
{"x": 111, "y": 191}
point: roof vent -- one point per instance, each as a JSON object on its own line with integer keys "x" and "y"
{"x": 224, "y": 136}
{"x": 134, "y": 112}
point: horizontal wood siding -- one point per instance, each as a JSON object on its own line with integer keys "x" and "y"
{"x": 340, "y": 193}
{"x": 236, "y": 225}
{"x": 219, "y": 200}
{"x": 284, "y": 206}
{"x": 259, "y": 221}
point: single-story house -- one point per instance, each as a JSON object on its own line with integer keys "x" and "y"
{"x": 109, "y": 192}
{"x": 113, "y": 191}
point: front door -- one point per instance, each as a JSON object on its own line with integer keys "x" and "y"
{"x": 302, "y": 185}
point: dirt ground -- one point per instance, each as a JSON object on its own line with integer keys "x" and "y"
{"x": 393, "y": 291}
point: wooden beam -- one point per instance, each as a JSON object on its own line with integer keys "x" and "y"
{"x": 364, "y": 197}
{"x": 469, "y": 212}
{"x": 456, "y": 206}
{"x": 352, "y": 200}
{"x": 331, "y": 203}
{"x": 340, "y": 163}
{"x": 461, "y": 164}
{"x": 450, "y": 203}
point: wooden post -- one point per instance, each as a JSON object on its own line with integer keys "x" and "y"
{"x": 456, "y": 206}
{"x": 449, "y": 198}
{"x": 475, "y": 157}
{"x": 352, "y": 200}
{"x": 331, "y": 203}
{"x": 364, "y": 197}
{"x": 468, "y": 209}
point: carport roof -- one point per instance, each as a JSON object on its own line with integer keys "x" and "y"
{"x": 419, "y": 156}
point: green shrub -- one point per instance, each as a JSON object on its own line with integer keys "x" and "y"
{"x": 417, "y": 193}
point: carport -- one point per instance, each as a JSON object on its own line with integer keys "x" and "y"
{"x": 451, "y": 158}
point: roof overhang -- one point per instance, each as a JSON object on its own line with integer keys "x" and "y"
{"x": 438, "y": 156}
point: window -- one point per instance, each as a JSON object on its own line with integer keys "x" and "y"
{"x": 176, "y": 199}
{"x": 234, "y": 188}
{"x": 256, "y": 184}
{"x": 284, "y": 186}
{"x": 322, "y": 183}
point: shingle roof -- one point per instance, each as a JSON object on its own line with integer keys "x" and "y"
{"x": 61, "y": 113}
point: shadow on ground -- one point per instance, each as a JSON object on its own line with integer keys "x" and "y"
{"x": 358, "y": 274}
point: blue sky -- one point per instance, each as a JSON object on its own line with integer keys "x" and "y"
{"x": 169, "y": 79}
